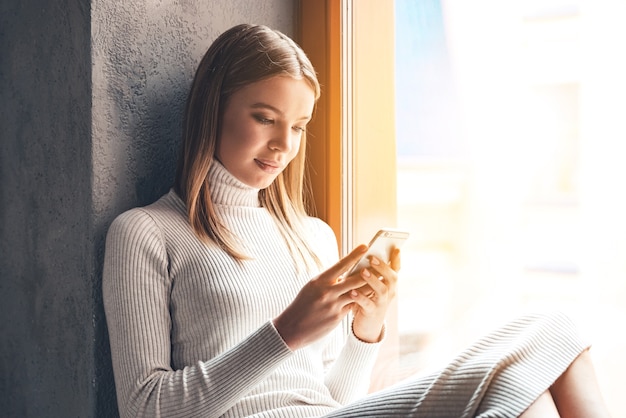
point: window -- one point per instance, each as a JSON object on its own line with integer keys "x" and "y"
{"x": 508, "y": 168}
{"x": 507, "y": 176}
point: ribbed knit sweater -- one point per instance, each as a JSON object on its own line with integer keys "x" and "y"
{"x": 190, "y": 328}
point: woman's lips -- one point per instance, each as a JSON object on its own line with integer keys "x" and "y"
{"x": 271, "y": 167}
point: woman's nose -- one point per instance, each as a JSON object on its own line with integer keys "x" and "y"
{"x": 282, "y": 140}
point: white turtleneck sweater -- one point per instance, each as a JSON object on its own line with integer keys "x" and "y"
{"x": 190, "y": 328}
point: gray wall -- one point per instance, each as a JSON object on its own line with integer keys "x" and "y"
{"x": 91, "y": 98}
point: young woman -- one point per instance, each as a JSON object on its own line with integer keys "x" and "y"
{"x": 225, "y": 299}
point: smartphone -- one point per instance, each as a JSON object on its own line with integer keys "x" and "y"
{"x": 381, "y": 246}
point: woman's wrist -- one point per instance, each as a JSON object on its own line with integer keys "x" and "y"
{"x": 369, "y": 335}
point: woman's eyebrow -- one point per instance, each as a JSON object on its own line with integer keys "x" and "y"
{"x": 262, "y": 105}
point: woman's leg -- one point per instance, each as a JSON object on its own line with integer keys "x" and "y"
{"x": 577, "y": 393}
{"x": 505, "y": 374}
{"x": 543, "y": 407}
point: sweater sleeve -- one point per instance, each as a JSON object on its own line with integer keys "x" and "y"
{"x": 348, "y": 361}
{"x": 349, "y": 374}
{"x": 136, "y": 292}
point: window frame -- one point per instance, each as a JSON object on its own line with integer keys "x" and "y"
{"x": 352, "y": 152}
{"x": 337, "y": 37}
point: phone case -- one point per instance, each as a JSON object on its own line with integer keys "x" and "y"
{"x": 381, "y": 246}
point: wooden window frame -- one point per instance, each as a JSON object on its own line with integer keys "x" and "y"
{"x": 352, "y": 151}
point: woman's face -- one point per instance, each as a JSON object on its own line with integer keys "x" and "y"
{"x": 262, "y": 128}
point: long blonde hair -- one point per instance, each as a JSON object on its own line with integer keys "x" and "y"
{"x": 240, "y": 56}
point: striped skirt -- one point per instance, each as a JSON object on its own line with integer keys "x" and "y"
{"x": 498, "y": 376}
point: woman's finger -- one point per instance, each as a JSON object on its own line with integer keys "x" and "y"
{"x": 341, "y": 266}
{"x": 363, "y": 300}
{"x": 366, "y": 289}
{"x": 395, "y": 260}
{"x": 373, "y": 281}
{"x": 379, "y": 268}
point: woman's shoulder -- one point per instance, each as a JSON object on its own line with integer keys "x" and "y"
{"x": 318, "y": 227}
{"x": 322, "y": 240}
{"x": 169, "y": 209}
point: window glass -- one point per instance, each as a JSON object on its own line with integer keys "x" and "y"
{"x": 509, "y": 149}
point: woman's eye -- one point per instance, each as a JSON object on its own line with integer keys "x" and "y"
{"x": 263, "y": 119}
{"x": 299, "y": 129}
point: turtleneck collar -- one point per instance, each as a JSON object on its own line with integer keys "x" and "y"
{"x": 227, "y": 190}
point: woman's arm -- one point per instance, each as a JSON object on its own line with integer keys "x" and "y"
{"x": 348, "y": 362}
{"x": 136, "y": 291}
{"x": 370, "y": 306}
{"x": 350, "y": 368}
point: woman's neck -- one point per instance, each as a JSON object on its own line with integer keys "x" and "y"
{"x": 227, "y": 190}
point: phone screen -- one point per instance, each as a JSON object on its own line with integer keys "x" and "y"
{"x": 381, "y": 246}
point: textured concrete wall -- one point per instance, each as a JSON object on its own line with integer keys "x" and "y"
{"x": 46, "y": 244}
{"x": 91, "y": 96}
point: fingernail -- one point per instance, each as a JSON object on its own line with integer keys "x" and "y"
{"x": 354, "y": 293}
{"x": 366, "y": 273}
{"x": 375, "y": 261}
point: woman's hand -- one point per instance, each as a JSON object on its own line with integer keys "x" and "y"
{"x": 321, "y": 304}
{"x": 372, "y": 301}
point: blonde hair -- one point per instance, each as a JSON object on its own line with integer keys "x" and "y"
{"x": 240, "y": 56}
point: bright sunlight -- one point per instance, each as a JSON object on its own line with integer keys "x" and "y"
{"x": 511, "y": 144}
